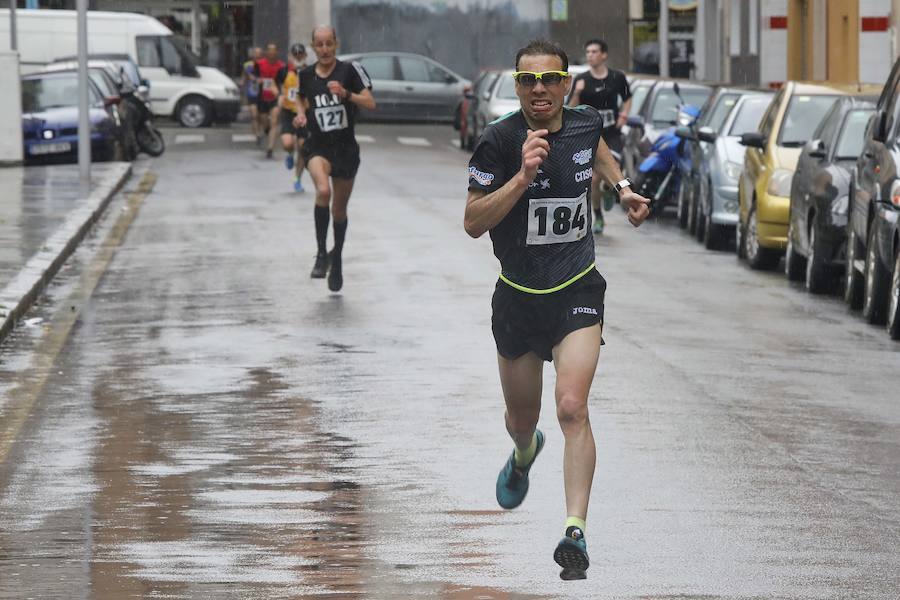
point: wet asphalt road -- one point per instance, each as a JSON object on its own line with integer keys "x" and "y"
{"x": 196, "y": 418}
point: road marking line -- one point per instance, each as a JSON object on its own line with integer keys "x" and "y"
{"x": 455, "y": 143}
{"x": 24, "y": 396}
{"x": 189, "y": 138}
{"x": 239, "y": 138}
{"x": 365, "y": 139}
{"x": 414, "y": 141}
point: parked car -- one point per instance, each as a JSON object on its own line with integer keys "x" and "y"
{"x": 410, "y": 87}
{"x": 712, "y": 115}
{"x": 50, "y": 119}
{"x": 640, "y": 88}
{"x": 192, "y": 94}
{"x": 819, "y": 195}
{"x": 717, "y": 160}
{"x": 500, "y": 99}
{"x": 128, "y": 70}
{"x": 470, "y": 125}
{"x": 658, "y": 112}
{"x": 769, "y": 164}
{"x": 872, "y": 275}
{"x": 719, "y": 170}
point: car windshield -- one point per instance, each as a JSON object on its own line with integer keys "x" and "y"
{"x": 850, "y": 144}
{"x": 720, "y": 111}
{"x": 665, "y": 108}
{"x": 45, "y": 93}
{"x": 638, "y": 94}
{"x": 803, "y": 115}
{"x": 506, "y": 89}
{"x": 749, "y": 115}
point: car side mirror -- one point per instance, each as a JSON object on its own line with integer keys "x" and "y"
{"x": 450, "y": 79}
{"x": 879, "y": 126}
{"x": 685, "y": 133}
{"x": 145, "y": 83}
{"x": 753, "y": 139}
{"x": 817, "y": 149}
{"x": 635, "y": 121}
{"x": 143, "y": 89}
{"x": 706, "y": 134}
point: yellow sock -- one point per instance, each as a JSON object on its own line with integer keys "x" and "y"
{"x": 523, "y": 457}
{"x": 575, "y": 522}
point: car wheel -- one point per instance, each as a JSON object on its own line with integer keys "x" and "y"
{"x": 876, "y": 284}
{"x": 759, "y": 258}
{"x": 193, "y": 112}
{"x": 817, "y": 273}
{"x": 740, "y": 232}
{"x": 682, "y": 206}
{"x": 894, "y": 305}
{"x": 853, "y": 278}
{"x": 794, "y": 263}
{"x": 698, "y": 222}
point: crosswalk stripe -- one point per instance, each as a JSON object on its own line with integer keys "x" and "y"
{"x": 365, "y": 139}
{"x": 190, "y": 138}
{"x": 413, "y": 141}
{"x": 238, "y": 138}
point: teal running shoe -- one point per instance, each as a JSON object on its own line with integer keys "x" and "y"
{"x": 289, "y": 161}
{"x": 512, "y": 483}
{"x": 598, "y": 226}
{"x": 571, "y": 554}
{"x": 298, "y": 187}
{"x": 609, "y": 200}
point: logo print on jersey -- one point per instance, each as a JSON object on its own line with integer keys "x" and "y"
{"x": 582, "y": 157}
{"x": 584, "y": 175}
{"x": 543, "y": 183}
{"x": 583, "y": 310}
{"x": 481, "y": 177}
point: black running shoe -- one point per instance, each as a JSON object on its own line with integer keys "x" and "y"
{"x": 571, "y": 554}
{"x": 269, "y": 153}
{"x": 335, "y": 276}
{"x": 320, "y": 269}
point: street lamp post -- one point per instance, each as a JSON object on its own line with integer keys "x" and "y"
{"x": 13, "y": 34}
{"x": 84, "y": 121}
{"x": 664, "y": 38}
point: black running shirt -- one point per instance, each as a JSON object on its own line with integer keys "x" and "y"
{"x": 603, "y": 94}
{"x": 330, "y": 117}
{"x": 545, "y": 242}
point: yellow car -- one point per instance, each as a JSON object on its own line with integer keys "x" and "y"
{"x": 769, "y": 162}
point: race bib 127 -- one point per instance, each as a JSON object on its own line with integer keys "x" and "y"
{"x": 331, "y": 118}
{"x": 557, "y": 220}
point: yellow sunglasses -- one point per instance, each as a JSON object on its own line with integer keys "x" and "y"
{"x": 530, "y": 78}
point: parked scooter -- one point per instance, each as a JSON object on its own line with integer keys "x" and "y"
{"x": 142, "y": 135}
{"x": 659, "y": 175}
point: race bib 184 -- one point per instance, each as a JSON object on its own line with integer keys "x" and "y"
{"x": 331, "y": 118}
{"x": 557, "y": 220}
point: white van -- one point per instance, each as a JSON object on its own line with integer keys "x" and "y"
{"x": 191, "y": 94}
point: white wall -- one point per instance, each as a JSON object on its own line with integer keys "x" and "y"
{"x": 10, "y": 108}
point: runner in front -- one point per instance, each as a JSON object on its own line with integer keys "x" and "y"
{"x": 530, "y": 187}
{"x": 603, "y": 88}
{"x": 331, "y": 91}
{"x": 292, "y": 137}
{"x": 270, "y": 72}
{"x": 251, "y": 90}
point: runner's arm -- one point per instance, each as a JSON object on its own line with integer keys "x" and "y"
{"x": 363, "y": 99}
{"x": 624, "y": 112}
{"x": 575, "y": 96}
{"x": 635, "y": 205}
{"x": 484, "y": 211}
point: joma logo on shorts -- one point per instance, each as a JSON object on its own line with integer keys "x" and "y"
{"x": 583, "y": 310}
{"x": 582, "y": 157}
{"x": 480, "y": 176}
{"x": 584, "y": 175}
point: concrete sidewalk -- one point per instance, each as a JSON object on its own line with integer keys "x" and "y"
{"x": 42, "y": 220}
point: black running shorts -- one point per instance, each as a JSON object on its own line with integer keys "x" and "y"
{"x": 266, "y": 106}
{"x": 344, "y": 158}
{"x": 524, "y": 322}
{"x": 614, "y": 140}
{"x": 286, "y": 119}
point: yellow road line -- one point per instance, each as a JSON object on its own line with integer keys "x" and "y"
{"x": 23, "y": 398}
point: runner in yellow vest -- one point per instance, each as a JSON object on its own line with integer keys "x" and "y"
{"x": 292, "y": 138}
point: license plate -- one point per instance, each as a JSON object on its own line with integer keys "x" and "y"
{"x": 51, "y": 148}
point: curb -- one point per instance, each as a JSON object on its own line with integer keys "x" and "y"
{"x": 21, "y": 292}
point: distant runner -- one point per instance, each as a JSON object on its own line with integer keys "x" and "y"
{"x": 251, "y": 89}
{"x": 530, "y": 186}
{"x": 602, "y": 88}
{"x": 332, "y": 91}
{"x": 270, "y": 72}
{"x": 292, "y": 137}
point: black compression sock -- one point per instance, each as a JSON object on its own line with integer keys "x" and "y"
{"x": 322, "y": 215}
{"x": 598, "y": 213}
{"x": 340, "y": 232}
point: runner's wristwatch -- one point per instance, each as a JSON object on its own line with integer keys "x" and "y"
{"x": 622, "y": 185}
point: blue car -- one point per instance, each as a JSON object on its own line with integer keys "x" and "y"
{"x": 50, "y": 120}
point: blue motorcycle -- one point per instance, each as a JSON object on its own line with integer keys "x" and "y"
{"x": 659, "y": 175}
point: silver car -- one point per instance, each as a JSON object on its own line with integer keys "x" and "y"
{"x": 722, "y": 162}
{"x": 410, "y": 87}
{"x": 498, "y": 100}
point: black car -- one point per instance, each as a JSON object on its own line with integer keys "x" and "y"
{"x": 658, "y": 112}
{"x": 817, "y": 230}
{"x": 873, "y": 240}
